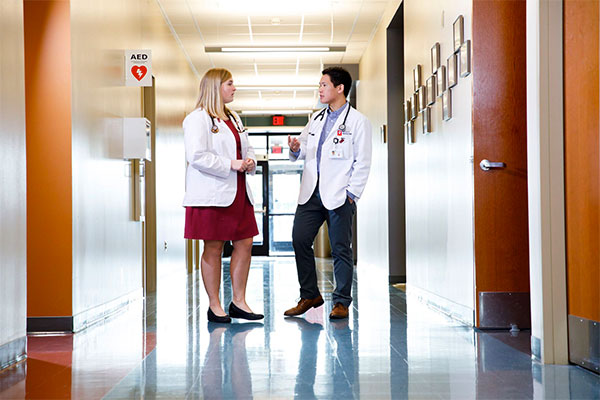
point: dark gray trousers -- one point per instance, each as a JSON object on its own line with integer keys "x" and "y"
{"x": 307, "y": 221}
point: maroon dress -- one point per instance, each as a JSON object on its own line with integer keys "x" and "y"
{"x": 234, "y": 222}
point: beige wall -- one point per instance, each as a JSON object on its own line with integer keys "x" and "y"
{"x": 439, "y": 170}
{"x": 372, "y": 229}
{"x": 13, "y": 263}
{"x": 107, "y": 248}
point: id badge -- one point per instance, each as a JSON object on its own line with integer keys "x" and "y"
{"x": 336, "y": 152}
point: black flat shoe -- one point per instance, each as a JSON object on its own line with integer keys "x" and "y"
{"x": 236, "y": 312}
{"x": 212, "y": 317}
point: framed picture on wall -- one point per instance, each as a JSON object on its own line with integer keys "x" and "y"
{"x": 441, "y": 80}
{"x": 435, "y": 57}
{"x": 422, "y": 98}
{"x": 409, "y": 129}
{"x": 458, "y": 30}
{"x": 452, "y": 71}
{"x": 415, "y": 106}
{"x": 431, "y": 88}
{"x": 417, "y": 76}
{"x": 427, "y": 120}
{"x": 465, "y": 59}
{"x": 447, "y": 105}
{"x": 407, "y": 111}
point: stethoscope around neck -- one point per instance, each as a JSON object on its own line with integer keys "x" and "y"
{"x": 215, "y": 128}
{"x": 342, "y": 127}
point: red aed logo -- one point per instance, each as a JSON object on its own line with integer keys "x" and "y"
{"x": 139, "y": 72}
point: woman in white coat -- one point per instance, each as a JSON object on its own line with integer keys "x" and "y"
{"x": 218, "y": 199}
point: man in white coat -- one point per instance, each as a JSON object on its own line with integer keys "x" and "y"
{"x": 336, "y": 148}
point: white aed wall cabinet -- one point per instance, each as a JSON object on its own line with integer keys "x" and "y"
{"x": 136, "y": 139}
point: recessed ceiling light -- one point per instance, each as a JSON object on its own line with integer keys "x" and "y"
{"x": 275, "y": 21}
{"x": 274, "y": 49}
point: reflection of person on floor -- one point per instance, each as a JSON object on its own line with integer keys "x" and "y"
{"x": 214, "y": 386}
{"x": 343, "y": 373}
{"x": 307, "y": 366}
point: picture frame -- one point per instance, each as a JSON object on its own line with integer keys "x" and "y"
{"x": 447, "y": 105}
{"x": 415, "y": 106}
{"x": 458, "y": 31}
{"x": 435, "y": 57}
{"x": 417, "y": 77}
{"x": 465, "y": 59}
{"x": 452, "y": 71}
{"x": 422, "y": 93}
{"x": 431, "y": 88}
{"x": 407, "y": 110}
{"x": 427, "y": 128}
{"x": 441, "y": 80}
{"x": 409, "y": 129}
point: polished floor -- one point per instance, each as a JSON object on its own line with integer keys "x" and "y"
{"x": 390, "y": 347}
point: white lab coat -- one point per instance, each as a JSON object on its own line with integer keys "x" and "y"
{"x": 209, "y": 180}
{"x": 344, "y": 167}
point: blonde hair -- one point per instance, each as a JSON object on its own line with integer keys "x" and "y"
{"x": 209, "y": 97}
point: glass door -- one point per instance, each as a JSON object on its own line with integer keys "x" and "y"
{"x": 284, "y": 187}
{"x": 258, "y": 185}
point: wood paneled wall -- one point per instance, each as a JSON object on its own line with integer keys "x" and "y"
{"x": 582, "y": 158}
{"x": 49, "y": 173}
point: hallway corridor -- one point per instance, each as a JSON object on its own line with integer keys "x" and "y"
{"x": 390, "y": 347}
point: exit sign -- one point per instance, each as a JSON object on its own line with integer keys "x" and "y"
{"x": 278, "y": 120}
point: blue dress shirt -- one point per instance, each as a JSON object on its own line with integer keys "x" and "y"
{"x": 332, "y": 116}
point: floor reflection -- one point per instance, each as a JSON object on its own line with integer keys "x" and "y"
{"x": 392, "y": 346}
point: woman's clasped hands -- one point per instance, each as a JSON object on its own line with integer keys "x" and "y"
{"x": 246, "y": 165}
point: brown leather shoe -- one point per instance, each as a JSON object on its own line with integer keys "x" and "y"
{"x": 303, "y": 306}
{"x": 339, "y": 311}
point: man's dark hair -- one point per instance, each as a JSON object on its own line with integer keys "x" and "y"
{"x": 339, "y": 75}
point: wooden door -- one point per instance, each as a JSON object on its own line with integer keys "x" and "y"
{"x": 582, "y": 179}
{"x": 500, "y": 135}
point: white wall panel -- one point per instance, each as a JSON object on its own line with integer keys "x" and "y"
{"x": 13, "y": 256}
{"x": 439, "y": 170}
{"x": 107, "y": 242}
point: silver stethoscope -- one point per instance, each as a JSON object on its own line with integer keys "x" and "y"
{"x": 215, "y": 128}
{"x": 342, "y": 127}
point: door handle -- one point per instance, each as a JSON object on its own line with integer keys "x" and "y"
{"x": 263, "y": 211}
{"x": 487, "y": 165}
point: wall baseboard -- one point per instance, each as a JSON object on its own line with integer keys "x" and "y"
{"x": 99, "y": 313}
{"x": 459, "y": 312}
{"x": 13, "y": 352}
{"x": 83, "y": 319}
{"x": 397, "y": 279}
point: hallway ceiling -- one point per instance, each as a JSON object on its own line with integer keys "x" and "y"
{"x": 272, "y": 81}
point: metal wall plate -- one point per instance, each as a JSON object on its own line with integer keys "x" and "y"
{"x": 12, "y": 352}
{"x": 584, "y": 343}
{"x": 502, "y": 310}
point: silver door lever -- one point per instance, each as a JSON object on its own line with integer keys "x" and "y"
{"x": 487, "y": 165}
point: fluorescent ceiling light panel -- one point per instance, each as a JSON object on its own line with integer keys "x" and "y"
{"x": 275, "y": 49}
{"x": 276, "y": 112}
{"x": 275, "y": 88}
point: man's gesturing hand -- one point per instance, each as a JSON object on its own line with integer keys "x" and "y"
{"x": 294, "y": 144}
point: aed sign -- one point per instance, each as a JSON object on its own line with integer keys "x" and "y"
{"x": 138, "y": 67}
